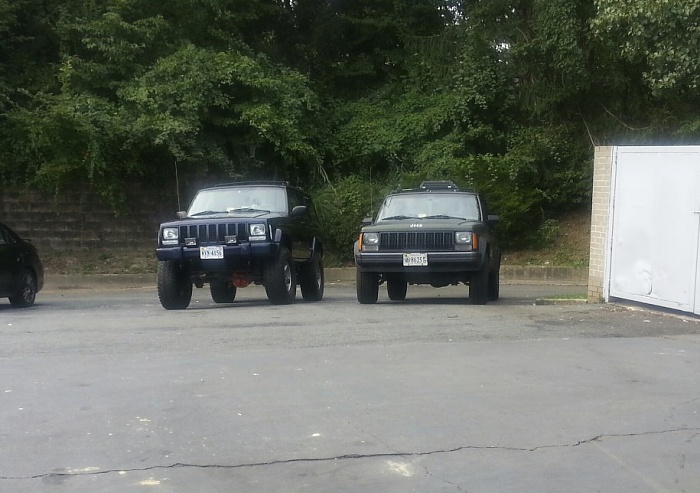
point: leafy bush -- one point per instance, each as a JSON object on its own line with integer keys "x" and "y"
{"x": 342, "y": 207}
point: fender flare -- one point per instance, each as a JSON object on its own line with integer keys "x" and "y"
{"x": 282, "y": 239}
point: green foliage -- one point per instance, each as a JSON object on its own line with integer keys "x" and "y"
{"x": 249, "y": 107}
{"x": 354, "y": 48}
{"x": 134, "y": 99}
{"x": 648, "y": 50}
{"x": 66, "y": 141}
{"x": 547, "y": 233}
{"x": 549, "y": 60}
{"x": 663, "y": 36}
{"x": 386, "y": 134}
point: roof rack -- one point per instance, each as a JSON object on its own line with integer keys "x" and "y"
{"x": 250, "y": 182}
{"x": 438, "y": 185}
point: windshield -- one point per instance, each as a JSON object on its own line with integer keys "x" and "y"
{"x": 429, "y": 206}
{"x": 239, "y": 199}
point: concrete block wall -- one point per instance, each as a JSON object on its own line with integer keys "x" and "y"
{"x": 75, "y": 220}
{"x": 600, "y": 220}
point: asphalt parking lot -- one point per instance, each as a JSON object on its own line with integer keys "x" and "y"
{"x": 102, "y": 390}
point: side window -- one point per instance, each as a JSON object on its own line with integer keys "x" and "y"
{"x": 484, "y": 208}
{"x": 293, "y": 198}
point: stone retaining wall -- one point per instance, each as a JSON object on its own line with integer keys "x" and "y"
{"x": 81, "y": 220}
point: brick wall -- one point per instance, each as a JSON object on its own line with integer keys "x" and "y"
{"x": 78, "y": 220}
{"x": 600, "y": 216}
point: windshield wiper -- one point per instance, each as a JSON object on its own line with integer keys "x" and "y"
{"x": 246, "y": 209}
{"x": 397, "y": 218}
{"x": 443, "y": 216}
{"x": 206, "y": 213}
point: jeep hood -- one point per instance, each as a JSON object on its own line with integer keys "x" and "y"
{"x": 419, "y": 224}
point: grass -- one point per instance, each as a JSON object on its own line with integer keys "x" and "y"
{"x": 568, "y": 245}
{"x": 581, "y": 296}
{"x": 100, "y": 261}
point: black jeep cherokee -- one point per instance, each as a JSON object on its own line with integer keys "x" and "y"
{"x": 438, "y": 235}
{"x": 241, "y": 233}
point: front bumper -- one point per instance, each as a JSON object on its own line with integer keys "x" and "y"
{"x": 239, "y": 258}
{"x": 392, "y": 262}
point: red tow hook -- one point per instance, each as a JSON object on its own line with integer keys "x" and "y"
{"x": 240, "y": 280}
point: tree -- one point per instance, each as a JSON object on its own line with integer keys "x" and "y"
{"x": 137, "y": 94}
{"x": 657, "y": 43}
{"x": 663, "y": 36}
{"x": 352, "y": 47}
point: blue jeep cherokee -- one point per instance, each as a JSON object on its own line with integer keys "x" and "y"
{"x": 238, "y": 234}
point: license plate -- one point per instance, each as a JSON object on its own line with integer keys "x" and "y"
{"x": 415, "y": 259}
{"x": 211, "y": 252}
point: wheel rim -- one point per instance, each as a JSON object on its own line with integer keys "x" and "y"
{"x": 287, "y": 277}
{"x": 318, "y": 276}
{"x": 28, "y": 292}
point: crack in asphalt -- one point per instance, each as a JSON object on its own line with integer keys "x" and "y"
{"x": 178, "y": 465}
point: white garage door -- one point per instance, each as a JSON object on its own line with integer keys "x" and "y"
{"x": 655, "y": 226}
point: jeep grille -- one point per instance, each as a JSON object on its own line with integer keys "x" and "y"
{"x": 423, "y": 241}
{"x": 213, "y": 233}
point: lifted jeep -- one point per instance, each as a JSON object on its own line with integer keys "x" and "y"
{"x": 238, "y": 234}
{"x": 436, "y": 234}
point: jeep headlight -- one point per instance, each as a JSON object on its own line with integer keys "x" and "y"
{"x": 256, "y": 232}
{"x": 171, "y": 236}
{"x": 370, "y": 242}
{"x": 464, "y": 240}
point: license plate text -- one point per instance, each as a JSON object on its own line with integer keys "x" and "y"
{"x": 211, "y": 252}
{"x": 415, "y": 259}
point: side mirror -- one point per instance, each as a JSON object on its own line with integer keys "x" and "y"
{"x": 493, "y": 218}
{"x": 367, "y": 221}
{"x": 181, "y": 214}
{"x": 299, "y": 210}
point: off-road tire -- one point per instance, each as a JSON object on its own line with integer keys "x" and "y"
{"x": 311, "y": 279}
{"x": 174, "y": 285}
{"x": 367, "y": 286}
{"x": 26, "y": 290}
{"x": 222, "y": 292}
{"x": 479, "y": 285}
{"x": 279, "y": 278}
{"x": 396, "y": 289}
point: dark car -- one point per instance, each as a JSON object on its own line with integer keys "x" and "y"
{"x": 437, "y": 234}
{"x": 21, "y": 270}
{"x": 238, "y": 234}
